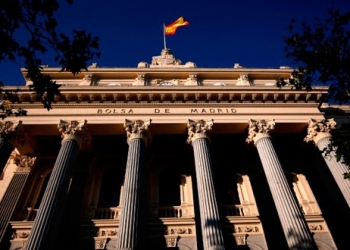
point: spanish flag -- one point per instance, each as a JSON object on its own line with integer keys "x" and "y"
{"x": 171, "y": 28}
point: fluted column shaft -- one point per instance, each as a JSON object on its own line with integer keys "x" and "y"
{"x": 198, "y": 136}
{"x": 294, "y": 226}
{"x": 336, "y": 168}
{"x": 9, "y": 201}
{"x": 131, "y": 213}
{"x": 49, "y": 214}
{"x": 208, "y": 207}
{"x": 44, "y": 231}
{"x": 132, "y": 197}
{"x": 5, "y": 151}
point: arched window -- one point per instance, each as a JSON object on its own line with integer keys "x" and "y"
{"x": 169, "y": 188}
{"x": 110, "y": 188}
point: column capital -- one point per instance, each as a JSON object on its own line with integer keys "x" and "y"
{"x": 259, "y": 129}
{"x": 13, "y": 131}
{"x": 319, "y": 129}
{"x": 74, "y": 130}
{"x": 24, "y": 163}
{"x": 137, "y": 129}
{"x": 198, "y": 129}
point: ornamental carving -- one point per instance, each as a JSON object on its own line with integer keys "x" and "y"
{"x": 20, "y": 235}
{"x": 12, "y": 130}
{"x": 74, "y": 130}
{"x": 198, "y": 129}
{"x": 182, "y": 230}
{"x": 137, "y": 129}
{"x": 258, "y": 129}
{"x": 166, "y": 58}
{"x": 246, "y": 229}
{"x": 319, "y": 128}
{"x": 104, "y": 233}
{"x": 171, "y": 241}
{"x": 100, "y": 244}
{"x": 241, "y": 240}
{"x": 24, "y": 163}
{"x": 316, "y": 227}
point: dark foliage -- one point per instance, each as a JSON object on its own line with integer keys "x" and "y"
{"x": 37, "y": 18}
{"x": 322, "y": 50}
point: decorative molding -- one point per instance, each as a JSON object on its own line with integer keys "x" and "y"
{"x": 259, "y": 129}
{"x": 319, "y": 129}
{"x": 74, "y": 130}
{"x": 24, "y": 163}
{"x": 137, "y": 129}
{"x": 198, "y": 129}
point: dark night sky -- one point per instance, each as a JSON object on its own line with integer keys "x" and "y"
{"x": 220, "y": 33}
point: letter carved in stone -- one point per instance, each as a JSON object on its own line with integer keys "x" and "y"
{"x": 258, "y": 129}
{"x": 319, "y": 128}
{"x": 24, "y": 163}
{"x": 74, "y": 130}
{"x": 137, "y": 129}
{"x": 198, "y": 129}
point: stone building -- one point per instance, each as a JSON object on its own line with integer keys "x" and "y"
{"x": 169, "y": 155}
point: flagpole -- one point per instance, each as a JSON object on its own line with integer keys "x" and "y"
{"x": 164, "y": 36}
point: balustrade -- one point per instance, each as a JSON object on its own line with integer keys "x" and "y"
{"x": 110, "y": 213}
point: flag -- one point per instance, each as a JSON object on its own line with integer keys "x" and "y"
{"x": 171, "y": 28}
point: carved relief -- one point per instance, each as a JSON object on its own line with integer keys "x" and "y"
{"x": 178, "y": 231}
{"x": 104, "y": 233}
{"x": 258, "y": 129}
{"x": 319, "y": 127}
{"x": 137, "y": 129}
{"x": 243, "y": 80}
{"x": 171, "y": 241}
{"x": 246, "y": 229}
{"x": 241, "y": 240}
{"x": 316, "y": 227}
{"x": 166, "y": 58}
{"x": 74, "y": 130}
{"x": 198, "y": 129}
{"x": 100, "y": 244}
{"x": 24, "y": 163}
{"x": 20, "y": 235}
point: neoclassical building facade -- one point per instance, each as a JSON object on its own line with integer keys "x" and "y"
{"x": 169, "y": 155}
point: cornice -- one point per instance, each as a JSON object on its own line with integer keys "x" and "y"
{"x": 150, "y": 94}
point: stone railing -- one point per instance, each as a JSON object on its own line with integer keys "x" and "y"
{"x": 171, "y": 211}
{"x": 109, "y": 213}
{"x": 236, "y": 210}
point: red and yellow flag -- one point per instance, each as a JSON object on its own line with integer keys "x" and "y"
{"x": 170, "y": 29}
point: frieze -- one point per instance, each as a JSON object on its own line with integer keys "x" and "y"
{"x": 104, "y": 233}
{"x": 246, "y": 229}
{"x": 123, "y": 111}
{"x": 316, "y": 227}
{"x": 182, "y": 230}
{"x": 20, "y": 235}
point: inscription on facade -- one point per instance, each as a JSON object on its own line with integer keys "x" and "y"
{"x": 168, "y": 111}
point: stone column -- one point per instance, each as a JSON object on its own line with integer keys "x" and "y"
{"x": 319, "y": 133}
{"x": 45, "y": 227}
{"x": 14, "y": 190}
{"x": 8, "y": 131}
{"x": 131, "y": 213}
{"x": 294, "y": 225}
{"x": 198, "y": 136}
